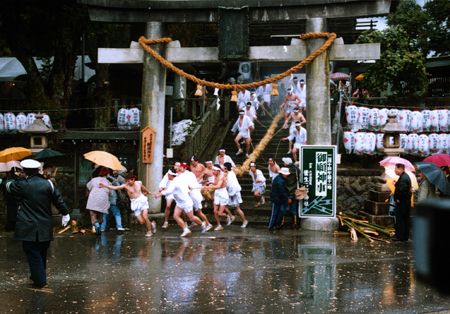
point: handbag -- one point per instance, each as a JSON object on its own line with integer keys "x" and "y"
{"x": 301, "y": 192}
{"x": 392, "y": 206}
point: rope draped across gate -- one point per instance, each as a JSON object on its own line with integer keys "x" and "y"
{"x": 241, "y": 169}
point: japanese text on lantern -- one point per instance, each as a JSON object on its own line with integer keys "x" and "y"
{"x": 148, "y": 141}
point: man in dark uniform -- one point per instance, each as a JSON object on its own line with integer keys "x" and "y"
{"x": 34, "y": 218}
{"x": 292, "y": 185}
{"x": 279, "y": 199}
{"x": 402, "y": 198}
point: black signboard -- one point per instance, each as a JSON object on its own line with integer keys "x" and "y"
{"x": 318, "y": 173}
{"x": 233, "y": 33}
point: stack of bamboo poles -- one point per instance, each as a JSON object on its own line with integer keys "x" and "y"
{"x": 358, "y": 224}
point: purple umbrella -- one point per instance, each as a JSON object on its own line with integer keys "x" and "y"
{"x": 339, "y": 76}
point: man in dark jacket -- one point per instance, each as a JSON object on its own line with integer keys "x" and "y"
{"x": 34, "y": 219}
{"x": 402, "y": 198}
{"x": 279, "y": 199}
{"x": 292, "y": 185}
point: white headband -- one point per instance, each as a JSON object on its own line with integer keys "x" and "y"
{"x": 216, "y": 168}
{"x": 208, "y": 162}
{"x": 171, "y": 173}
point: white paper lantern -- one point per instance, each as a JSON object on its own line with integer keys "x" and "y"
{"x": 416, "y": 121}
{"x": 351, "y": 113}
{"x": 122, "y": 120}
{"x": 370, "y": 143}
{"x": 433, "y": 141}
{"x": 2, "y": 122}
{"x": 360, "y": 143}
{"x": 10, "y": 123}
{"x": 407, "y": 114}
{"x": 30, "y": 118}
{"x": 349, "y": 141}
{"x": 363, "y": 117}
{"x": 394, "y": 111}
{"x": 413, "y": 143}
{"x": 443, "y": 144}
{"x": 379, "y": 144}
{"x": 134, "y": 118}
{"x": 443, "y": 120}
{"x": 374, "y": 119}
{"x": 404, "y": 143}
{"x": 434, "y": 120}
{"x": 47, "y": 120}
{"x": 21, "y": 121}
{"x": 383, "y": 116}
{"x": 403, "y": 119}
{"x": 426, "y": 122}
{"x": 423, "y": 145}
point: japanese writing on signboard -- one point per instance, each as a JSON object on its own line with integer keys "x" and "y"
{"x": 318, "y": 172}
{"x": 148, "y": 141}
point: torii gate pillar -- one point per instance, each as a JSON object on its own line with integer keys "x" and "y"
{"x": 318, "y": 108}
{"x": 153, "y": 97}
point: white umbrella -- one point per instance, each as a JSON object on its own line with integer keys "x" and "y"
{"x": 6, "y": 166}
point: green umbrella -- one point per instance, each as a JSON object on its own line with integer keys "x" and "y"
{"x": 47, "y": 153}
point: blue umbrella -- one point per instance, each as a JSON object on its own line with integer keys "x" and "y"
{"x": 435, "y": 175}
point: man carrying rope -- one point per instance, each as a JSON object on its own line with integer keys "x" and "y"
{"x": 163, "y": 185}
{"x": 243, "y": 125}
{"x": 222, "y": 158}
{"x": 292, "y": 101}
{"x": 300, "y": 135}
{"x": 259, "y": 184}
{"x": 263, "y": 94}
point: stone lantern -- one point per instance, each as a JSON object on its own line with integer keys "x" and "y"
{"x": 38, "y": 131}
{"x": 376, "y": 208}
{"x": 392, "y": 130}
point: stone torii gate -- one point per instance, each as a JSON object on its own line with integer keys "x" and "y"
{"x": 155, "y": 13}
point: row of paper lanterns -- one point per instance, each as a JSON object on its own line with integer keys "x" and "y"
{"x": 129, "y": 119}
{"x": 363, "y": 118}
{"x": 11, "y": 123}
{"x": 370, "y": 143}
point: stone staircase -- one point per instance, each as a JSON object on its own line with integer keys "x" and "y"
{"x": 261, "y": 214}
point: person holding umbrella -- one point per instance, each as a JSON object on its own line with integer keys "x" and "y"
{"x": 12, "y": 202}
{"x": 402, "y": 197}
{"x": 426, "y": 189}
{"x": 436, "y": 177}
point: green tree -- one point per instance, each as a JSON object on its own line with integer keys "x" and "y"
{"x": 438, "y": 32}
{"x": 45, "y": 29}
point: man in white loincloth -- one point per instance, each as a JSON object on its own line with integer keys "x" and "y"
{"x": 291, "y": 101}
{"x": 180, "y": 191}
{"x": 299, "y": 89}
{"x": 139, "y": 202}
{"x": 222, "y": 158}
{"x": 208, "y": 177}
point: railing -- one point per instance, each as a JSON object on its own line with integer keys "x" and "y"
{"x": 201, "y": 135}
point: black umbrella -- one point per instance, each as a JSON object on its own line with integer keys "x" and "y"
{"x": 435, "y": 175}
{"x": 47, "y": 153}
{"x": 229, "y": 74}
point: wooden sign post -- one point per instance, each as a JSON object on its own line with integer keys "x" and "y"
{"x": 148, "y": 141}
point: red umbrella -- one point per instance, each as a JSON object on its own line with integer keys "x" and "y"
{"x": 440, "y": 160}
{"x": 339, "y": 76}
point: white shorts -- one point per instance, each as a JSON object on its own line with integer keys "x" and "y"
{"x": 302, "y": 104}
{"x": 197, "y": 198}
{"x": 235, "y": 200}
{"x": 261, "y": 187}
{"x": 292, "y": 128}
{"x": 139, "y": 204}
{"x": 221, "y": 197}
{"x": 298, "y": 145}
{"x": 169, "y": 197}
{"x": 244, "y": 134}
{"x": 185, "y": 207}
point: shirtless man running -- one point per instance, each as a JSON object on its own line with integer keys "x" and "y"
{"x": 292, "y": 101}
{"x": 198, "y": 169}
{"x": 296, "y": 116}
{"x": 139, "y": 202}
{"x": 209, "y": 176}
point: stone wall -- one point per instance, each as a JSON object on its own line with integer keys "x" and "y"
{"x": 353, "y": 188}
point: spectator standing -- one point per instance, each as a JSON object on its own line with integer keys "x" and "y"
{"x": 402, "y": 197}
{"x": 279, "y": 199}
{"x": 291, "y": 186}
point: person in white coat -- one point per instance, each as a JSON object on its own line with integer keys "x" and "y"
{"x": 263, "y": 94}
{"x": 244, "y": 97}
{"x": 234, "y": 195}
{"x": 300, "y": 135}
{"x": 242, "y": 126}
{"x": 180, "y": 191}
{"x": 164, "y": 184}
{"x": 259, "y": 185}
{"x": 300, "y": 90}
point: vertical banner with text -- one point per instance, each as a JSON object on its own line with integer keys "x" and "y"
{"x": 148, "y": 141}
{"x": 318, "y": 173}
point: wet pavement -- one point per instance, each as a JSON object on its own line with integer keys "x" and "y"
{"x": 236, "y": 270}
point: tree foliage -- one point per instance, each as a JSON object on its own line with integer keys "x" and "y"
{"x": 438, "y": 34}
